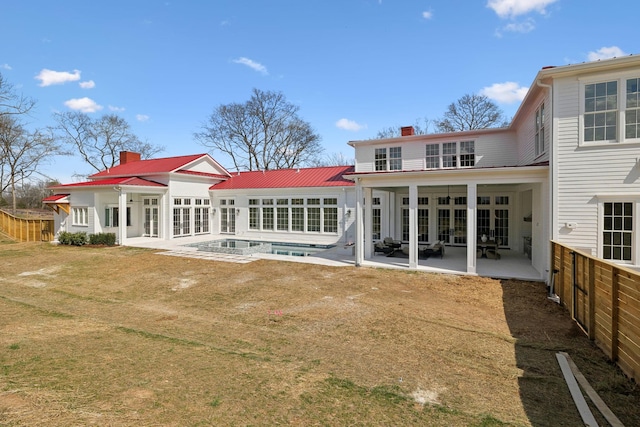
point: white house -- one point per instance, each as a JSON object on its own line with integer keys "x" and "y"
{"x": 175, "y": 197}
{"x": 567, "y": 169}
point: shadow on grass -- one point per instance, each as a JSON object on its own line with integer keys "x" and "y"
{"x": 541, "y": 329}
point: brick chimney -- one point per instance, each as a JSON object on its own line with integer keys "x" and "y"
{"x": 128, "y": 157}
{"x": 407, "y": 131}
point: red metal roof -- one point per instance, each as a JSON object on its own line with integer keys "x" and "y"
{"x": 151, "y": 166}
{"x": 54, "y": 198}
{"x": 205, "y": 174}
{"x": 113, "y": 181}
{"x": 330, "y": 176}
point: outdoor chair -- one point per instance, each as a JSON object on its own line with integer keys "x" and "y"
{"x": 390, "y": 242}
{"x": 381, "y": 247}
{"x": 436, "y": 248}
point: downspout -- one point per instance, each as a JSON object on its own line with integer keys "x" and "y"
{"x": 553, "y": 177}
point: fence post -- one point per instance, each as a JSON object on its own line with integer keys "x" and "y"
{"x": 615, "y": 313}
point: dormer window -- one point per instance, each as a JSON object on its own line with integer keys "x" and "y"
{"x": 391, "y": 160}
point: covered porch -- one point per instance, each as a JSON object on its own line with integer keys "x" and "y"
{"x": 456, "y": 208}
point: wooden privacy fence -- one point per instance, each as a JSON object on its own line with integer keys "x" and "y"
{"x": 26, "y": 229}
{"x": 604, "y": 299}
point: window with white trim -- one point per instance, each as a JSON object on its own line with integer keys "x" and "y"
{"x": 432, "y": 156}
{"x": 617, "y": 231}
{"x": 467, "y": 154}
{"x": 381, "y": 159}
{"x": 395, "y": 158}
{"x": 80, "y": 216}
{"x": 375, "y": 218}
{"x": 611, "y": 111}
{"x": 540, "y": 145}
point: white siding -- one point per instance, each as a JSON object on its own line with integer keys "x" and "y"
{"x": 587, "y": 173}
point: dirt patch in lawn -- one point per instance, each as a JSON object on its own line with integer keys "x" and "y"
{"x": 123, "y": 336}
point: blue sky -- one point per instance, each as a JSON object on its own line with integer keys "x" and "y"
{"x": 353, "y": 67}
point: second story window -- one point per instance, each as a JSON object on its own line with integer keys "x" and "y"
{"x": 600, "y": 111}
{"x": 449, "y": 155}
{"x": 381, "y": 159}
{"x": 395, "y": 158}
{"x": 432, "y": 159}
{"x": 540, "y": 143}
{"x": 467, "y": 154}
{"x": 632, "y": 113}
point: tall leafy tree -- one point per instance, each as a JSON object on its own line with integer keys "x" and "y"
{"x": 99, "y": 141}
{"x": 471, "y": 112}
{"x": 263, "y": 133}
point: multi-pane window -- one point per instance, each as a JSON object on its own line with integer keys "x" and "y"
{"x": 395, "y": 158}
{"x": 313, "y": 215}
{"x": 330, "y": 215}
{"x": 432, "y": 159}
{"x": 467, "y": 153}
{"x": 254, "y": 214}
{"x": 267, "y": 214}
{"x": 449, "y": 155}
{"x": 80, "y": 216}
{"x": 381, "y": 159}
{"x": 617, "y": 231}
{"x": 632, "y": 113}
{"x": 540, "y": 142}
{"x": 376, "y": 218}
{"x": 282, "y": 213}
{"x": 600, "y": 111}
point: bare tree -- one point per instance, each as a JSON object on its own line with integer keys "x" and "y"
{"x": 420, "y": 127}
{"x": 261, "y": 134}
{"x": 99, "y": 142}
{"x": 471, "y": 112}
{"x": 333, "y": 159}
{"x": 21, "y": 153}
{"x": 11, "y": 102}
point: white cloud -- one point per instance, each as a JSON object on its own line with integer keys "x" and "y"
{"x": 84, "y": 105}
{"x": 88, "y": 84}
{"x": 252, "y": 64}
{"x": 142, "y": 117}
{"x": 117, "y": 109}
{"x": 50, "y": 77}
{"x": 606, "y": 53}
{"x": 6, "y": 67}
{"x": 520, "y": 27}
{"x": 427, "y": 14}
{"x": 347, "y": 124}
{"x": 505, "y": 93}
{"x": 513, "y": 8}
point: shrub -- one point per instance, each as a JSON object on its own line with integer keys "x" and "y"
{"x": 108, "y": 239}
{"x": 75, "y": 239}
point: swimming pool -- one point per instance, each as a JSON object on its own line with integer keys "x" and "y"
{"x": 249, "y": 247}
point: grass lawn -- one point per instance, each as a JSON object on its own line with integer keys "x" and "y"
{"x": 127, "y": 337}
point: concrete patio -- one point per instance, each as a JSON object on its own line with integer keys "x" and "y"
{"x": 511, "y": 265}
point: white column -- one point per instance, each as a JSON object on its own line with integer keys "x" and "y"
{"x": 368, "y": 220}
{"x": 472, "y": 229}
{"x": 359, "y": 225}
{"x": 122, "y": 218}
{"x": 413, "y": 226}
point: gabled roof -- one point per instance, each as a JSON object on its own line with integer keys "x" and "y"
{"x": 134, "y": 180}
{"x": 330, "y": 176}
{"x": 151, "y": 166}
{"x": 55, "y": 198}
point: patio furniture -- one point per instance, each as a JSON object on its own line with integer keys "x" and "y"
{"x": 381, "y": 247}
{"x": 492, "y": 252}
{"x": 435, "y": 248}
{"x": 390, "y": 242}
{"x": 485, "y": 247}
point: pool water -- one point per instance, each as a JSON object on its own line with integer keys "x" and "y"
{"x": 248, "y": 247}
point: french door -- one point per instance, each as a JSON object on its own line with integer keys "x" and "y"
{"x": 227, "y": 216}
{"x": 151, "y": 217}
{"x": 452, "y": 220}
{"x": 181, "y": 221}
{"x": 493, "y": 218}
